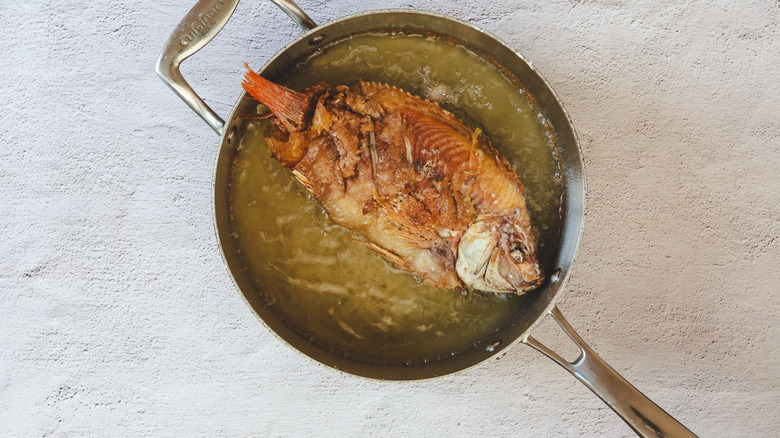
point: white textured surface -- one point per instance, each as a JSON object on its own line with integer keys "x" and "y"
{"x": 118, "y": 318}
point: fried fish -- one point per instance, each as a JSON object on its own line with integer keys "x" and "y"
{"x": 409, "y": 179}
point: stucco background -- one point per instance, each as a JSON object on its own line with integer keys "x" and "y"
{"x": 118, "y": 318}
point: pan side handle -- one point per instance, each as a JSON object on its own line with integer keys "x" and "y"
{"x": 639, "y": 412}
{"x": 201, "y": 24}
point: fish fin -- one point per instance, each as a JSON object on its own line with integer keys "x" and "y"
{"x": 394, "y": 258}
{"x": 411, "y": 239}
{"x": 382, "y": 202}
{"x": 435, "y": 146}
{"x": 287, "y": 105}
{"x": 420, "y": 238}
{"x": 304, "y": 180}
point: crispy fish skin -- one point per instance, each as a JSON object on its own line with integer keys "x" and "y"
{"x": 420, "y": 188}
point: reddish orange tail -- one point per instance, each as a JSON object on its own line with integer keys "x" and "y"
{"x": 287, "y": 105}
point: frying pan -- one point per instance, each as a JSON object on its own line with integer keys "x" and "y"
{"x": 208, "y": 17}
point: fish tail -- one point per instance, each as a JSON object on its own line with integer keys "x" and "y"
{"x": 287, "y": 105}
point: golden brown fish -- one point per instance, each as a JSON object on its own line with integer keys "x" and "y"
{"x": 422, "y": 189}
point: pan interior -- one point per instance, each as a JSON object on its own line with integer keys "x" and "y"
{"x": 334, "y": 299}
{"x": 336, "y": 292}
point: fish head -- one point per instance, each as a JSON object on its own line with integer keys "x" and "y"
{"x": 499, "y": 255}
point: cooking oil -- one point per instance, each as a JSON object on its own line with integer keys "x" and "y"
{"x": 334, "y": 291}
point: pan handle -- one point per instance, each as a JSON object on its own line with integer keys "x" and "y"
{"x": 201, "y": 24}
{"x": 645, "y": 417}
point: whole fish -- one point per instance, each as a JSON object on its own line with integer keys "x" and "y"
{"x": 419, "y": 187}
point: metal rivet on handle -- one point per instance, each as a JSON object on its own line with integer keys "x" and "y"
{"x": 316, "y": 40}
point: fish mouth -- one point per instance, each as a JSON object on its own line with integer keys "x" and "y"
{"x": 487, "y": 262}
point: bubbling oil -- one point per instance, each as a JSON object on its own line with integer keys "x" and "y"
{"x": 337, "y": 293}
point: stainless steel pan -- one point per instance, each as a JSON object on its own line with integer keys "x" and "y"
{"x": 208, "y": 17}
